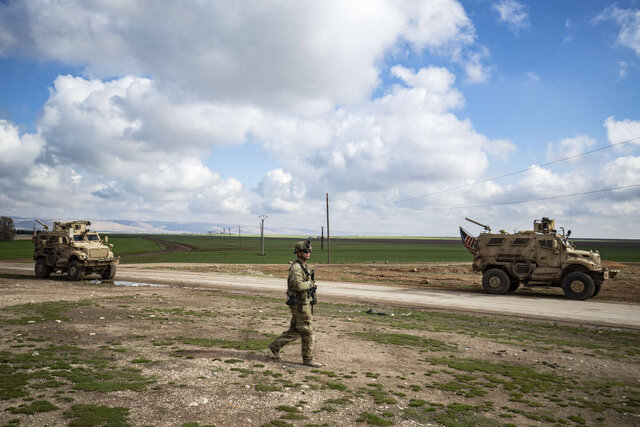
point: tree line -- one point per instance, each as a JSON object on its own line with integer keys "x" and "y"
{"x": 7, "y": 229}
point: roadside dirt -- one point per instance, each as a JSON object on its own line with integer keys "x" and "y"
{"x": 437, "y": 276}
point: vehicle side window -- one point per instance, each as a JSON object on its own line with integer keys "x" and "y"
{"x": 548, "y": 244}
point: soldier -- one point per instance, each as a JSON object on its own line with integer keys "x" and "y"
{"x": 300, "y": 301}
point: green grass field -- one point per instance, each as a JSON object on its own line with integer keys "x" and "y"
{"x": 278, "y": 250}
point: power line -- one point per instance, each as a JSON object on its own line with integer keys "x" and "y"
{"x": 514, "y": 202}
{"x": 460, "y": 187}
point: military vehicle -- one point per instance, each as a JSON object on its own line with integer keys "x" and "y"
{"x": 71, "y": 248}
{"x": 538, "y": 257}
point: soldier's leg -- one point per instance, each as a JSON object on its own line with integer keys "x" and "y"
{"x": 304, "y": 326}
{"x": 287, "y": 336}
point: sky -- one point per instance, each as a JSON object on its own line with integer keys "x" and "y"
{"x": 410, "y": 115}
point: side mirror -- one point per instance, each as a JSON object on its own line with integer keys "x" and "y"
{"x": 568, "y": 233}
{"x": 106, "y": 239}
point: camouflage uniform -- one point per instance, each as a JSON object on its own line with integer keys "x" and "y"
{"x": 298, "y": 283}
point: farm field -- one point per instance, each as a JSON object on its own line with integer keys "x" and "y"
{"x": 279, "y": 250}
{"x": 216, "y": 249}
{"x": 78, "y": 353}
{"x": 348, "y": 250}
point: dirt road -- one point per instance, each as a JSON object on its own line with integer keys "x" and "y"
{"x": 549, "y": 307}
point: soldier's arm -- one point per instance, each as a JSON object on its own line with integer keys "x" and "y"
{"x": 298, "y": 281}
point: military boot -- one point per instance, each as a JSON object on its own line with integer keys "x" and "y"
{"x": 312, "y": 363}
{"x": 274, "y": 351}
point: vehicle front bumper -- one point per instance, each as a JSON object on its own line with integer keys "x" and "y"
{"x": 101, "y": 262}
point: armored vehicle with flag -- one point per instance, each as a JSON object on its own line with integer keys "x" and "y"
{"x": 72, "y": 249}
{"x": 538, "y": 257}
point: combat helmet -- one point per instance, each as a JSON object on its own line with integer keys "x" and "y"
{"x": 302, "y": 245}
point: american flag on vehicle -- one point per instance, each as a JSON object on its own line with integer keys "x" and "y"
{"x": 468, "y": 241}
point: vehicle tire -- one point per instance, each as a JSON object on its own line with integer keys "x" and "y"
{"x": 109, "y": 272}
{"x": 596, "y": 289}
{"x": 75, "y": 271}
{"x": 42, "y": 269}
{"x": 578, "y": 286}
{"x": 515, "y": 284}
{"x": 496, "y": 281}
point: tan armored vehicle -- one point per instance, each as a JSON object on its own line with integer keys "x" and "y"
{"x": 71, "y": 248}
{"x": 539, "y": 257}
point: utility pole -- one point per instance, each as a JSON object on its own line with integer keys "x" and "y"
{"x": 239, "y": 238}
{"x": 262, "y": 218}
{"x": 322, "y": 237}
{"x": 328, "y": 238}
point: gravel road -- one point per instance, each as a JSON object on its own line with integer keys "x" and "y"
{"x": 544, "y": 307}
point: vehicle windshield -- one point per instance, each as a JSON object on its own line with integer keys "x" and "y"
{"x": 85, "y": 237}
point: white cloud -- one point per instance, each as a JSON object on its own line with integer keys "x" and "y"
{"x": 629, "y": 22}
{"x": 513, "y": 13}
{"x": 532, "y": 78}
{"x": 17, "y": 153}
{"x": 96, "y": 123}
{"x": 569, "y": 147}
{"x": 279, "y": 192}
{"x": 281, "y": 54}
{"x": 123, "y": 140}
{"x": 540, "y": 182}
{"x": 499, "y": 148}
{"x": 621, "y": 131}
{"x": 623, "y": 67}
{"x": 407, "y": 136}
{"x": 124, "y": 143}
{"x": 568, "y": 37}
{"x": 436, "y": 24}
{"x": 437, "y": 80}
{"x": 476, "y": 71}
{"x": 621, "y": 172}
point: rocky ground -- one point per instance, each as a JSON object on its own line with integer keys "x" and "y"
{"x": 78, "y": 353}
